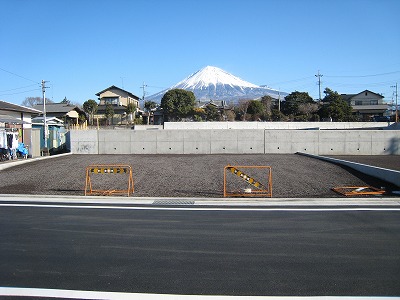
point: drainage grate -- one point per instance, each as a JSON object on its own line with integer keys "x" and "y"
{"x": 173, "y": 202}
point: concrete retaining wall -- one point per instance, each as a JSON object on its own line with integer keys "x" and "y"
{"x": 232, "y": 141}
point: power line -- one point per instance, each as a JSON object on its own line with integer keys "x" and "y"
{"x": 19, "y": 76}
{"x": 10, "y": 94}
{"x": 23, "y": 87}
{"x": 362, "y": 76}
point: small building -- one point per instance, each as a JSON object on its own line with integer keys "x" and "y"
{"x": 56, "y": 134}
{"x": 119, "y": 99}
{"x": 366, "y": 104}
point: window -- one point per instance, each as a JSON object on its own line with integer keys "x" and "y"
{"x": 111, "y": 100}
{"x": 374, "y": 102}
{"x": 358, "y": 102}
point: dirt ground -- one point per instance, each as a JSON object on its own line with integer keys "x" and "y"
{"x": 293, "y": 176}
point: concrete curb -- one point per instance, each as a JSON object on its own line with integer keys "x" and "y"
{"x": 245, "y": 202}
{"x": 13, "y": 163}
{"x": 388, "y": 175}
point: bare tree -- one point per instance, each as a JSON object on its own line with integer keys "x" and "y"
{"x": 32, "y": 101}
{"x": 243, "y": 106}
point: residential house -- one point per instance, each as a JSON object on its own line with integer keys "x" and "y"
{"x": 65, "y": 111}
{"x": 16, "y": 120}
{"x": 366, "y": 104}
{"x": 119, "y": 99}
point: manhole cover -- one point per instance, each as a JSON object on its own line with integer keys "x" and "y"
{"x": 173, "y": 202}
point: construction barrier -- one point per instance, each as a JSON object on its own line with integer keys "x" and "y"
{"x": 351, "y": 191}
{"x": 247, "y": 186}
{"x": 122, "y": 170}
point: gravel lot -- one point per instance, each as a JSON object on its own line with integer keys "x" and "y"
{"x": 293, "y": 176}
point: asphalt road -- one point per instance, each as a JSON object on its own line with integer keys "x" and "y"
{"x": 212, "y": 252}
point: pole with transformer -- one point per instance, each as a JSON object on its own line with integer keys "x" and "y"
{"x": 319, "y": 84}
{"x": 44, "y": 113}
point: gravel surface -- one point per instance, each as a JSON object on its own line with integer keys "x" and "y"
{"x": 293, "y": 176}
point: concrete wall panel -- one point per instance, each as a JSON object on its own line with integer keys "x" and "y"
{"x": 197, "y": 142}
{"x": 143, "y": 142}
{"x": 224, "y": 141}
{"x": 170, "y": 142}
{"x": 277, "y": 141}
{"x": 250, "y": 141}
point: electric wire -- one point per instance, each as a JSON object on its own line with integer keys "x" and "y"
{"x": 19, "y": 76}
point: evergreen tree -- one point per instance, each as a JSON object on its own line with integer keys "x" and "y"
{"x": 334, "y": 107}
{"x": 90, "y": 107}
{"x": 177, "y": 104}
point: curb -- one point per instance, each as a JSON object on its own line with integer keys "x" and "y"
{"x": 245, "y": 202}
{"x": 391, "y": 176}
{"x": 12, "y": 163}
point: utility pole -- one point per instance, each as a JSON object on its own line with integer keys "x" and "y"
{"x": 279, "y": 99}
{"x": 44, "y": 113}
{"x": 319, "y": 84}
{"x": 396, "y": 118}
{"x": 144, "y": 92}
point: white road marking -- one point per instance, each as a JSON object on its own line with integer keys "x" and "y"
{"x": 366, "y": 208}
{"x": 75, "y": 294}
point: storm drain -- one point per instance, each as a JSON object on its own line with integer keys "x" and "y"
{"x": 173, "y": 202}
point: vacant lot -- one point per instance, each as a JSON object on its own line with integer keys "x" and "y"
{"x": 179, "y": 175}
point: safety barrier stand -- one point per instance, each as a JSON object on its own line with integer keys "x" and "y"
{"x": 250, "y": 187}
{"x": 108, "y": 169}
{"x": 358, "y": 191}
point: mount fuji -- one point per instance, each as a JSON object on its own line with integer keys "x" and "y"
{"x": 212, "y": 83}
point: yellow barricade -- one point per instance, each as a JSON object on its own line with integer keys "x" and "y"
{"x": 109, "y": 169}
{"x": 251, "y": 187}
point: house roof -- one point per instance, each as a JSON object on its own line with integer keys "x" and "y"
{"x": 115, "y": 87}
{"x": 51, "y": 120}
{"x": 63, "y": 108}
{"x": 18, "y": 108}
{"x": 349, "y": 96}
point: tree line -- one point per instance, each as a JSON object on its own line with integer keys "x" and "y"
{"x": 179, "y": 105}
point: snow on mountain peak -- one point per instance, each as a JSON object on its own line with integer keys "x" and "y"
{"x": 210, "y": 75}
{"x": 212, "y": 83}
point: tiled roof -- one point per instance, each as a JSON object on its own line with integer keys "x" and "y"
{"x": 58, "y": 107}
{"x": 18, "y": 108}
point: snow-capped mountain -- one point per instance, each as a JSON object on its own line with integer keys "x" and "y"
{"x": 212, "y": 83}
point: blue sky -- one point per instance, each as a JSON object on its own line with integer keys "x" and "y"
{"x": 84, "y": 46}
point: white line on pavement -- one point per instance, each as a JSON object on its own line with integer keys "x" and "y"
{"x": 75, "y": 294}
{"x": 200, "y": 208}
